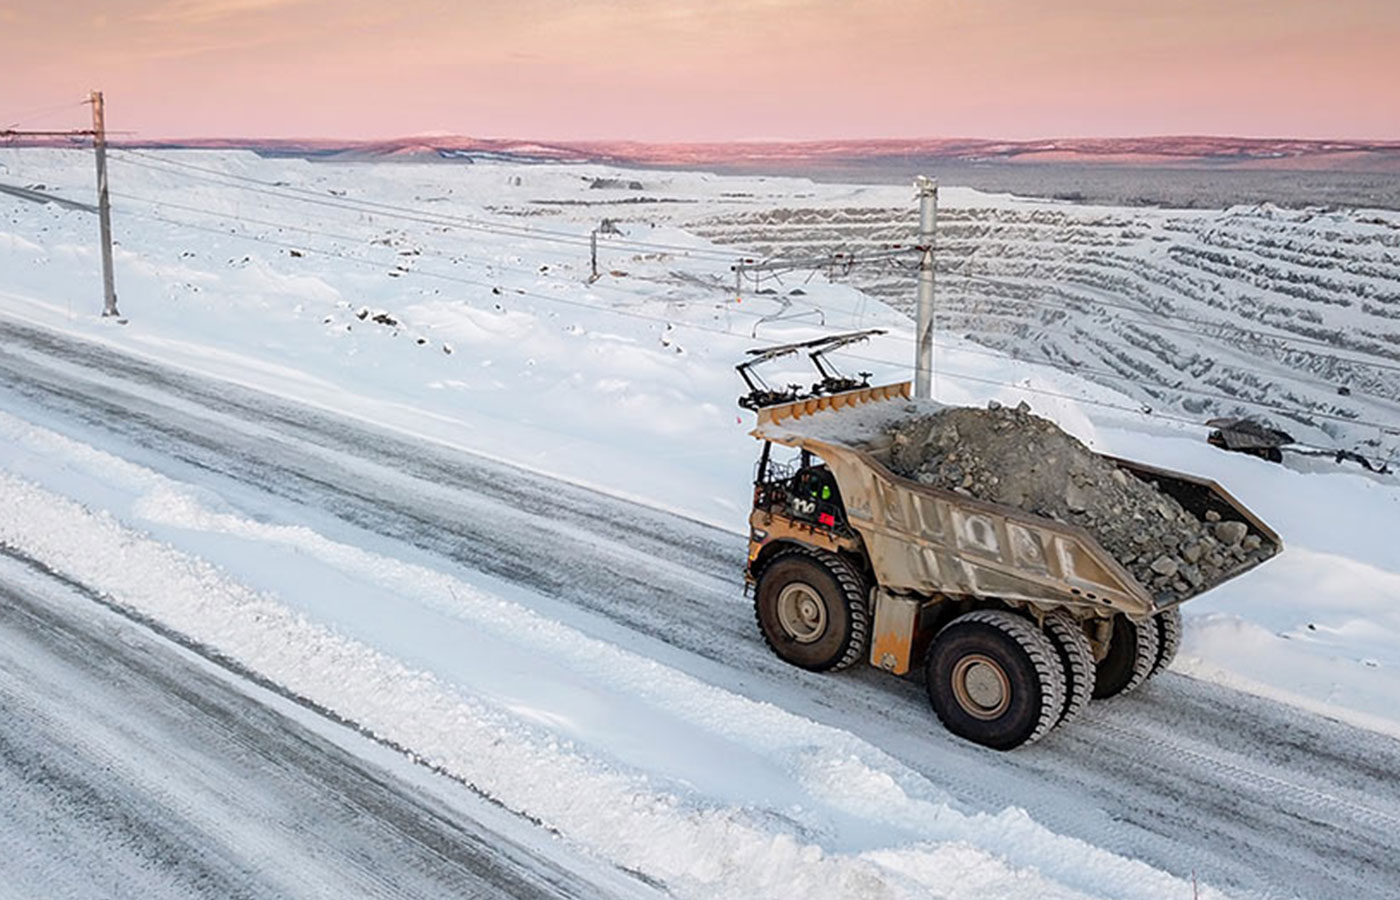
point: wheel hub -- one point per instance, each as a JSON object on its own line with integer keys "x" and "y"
{"x": 802, "y": 613}
{"x": 981, "y": 686}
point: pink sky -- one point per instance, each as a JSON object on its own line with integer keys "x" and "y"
{"x": 709, "y": 70}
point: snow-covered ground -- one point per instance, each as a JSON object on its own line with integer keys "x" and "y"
{"x": 449, "y": 305}
{"x": 254, "y": 795}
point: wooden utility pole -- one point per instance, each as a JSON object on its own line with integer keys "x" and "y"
{"x": 923, "y": 331}
{"x": 104, "y": 207}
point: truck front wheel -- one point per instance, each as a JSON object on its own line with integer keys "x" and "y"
{"x": 995, "y": 679}
{"x": 812, "y": 610}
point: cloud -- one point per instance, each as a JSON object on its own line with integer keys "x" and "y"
{"x": 185, "y": 49}
{"x": 201, "y": 11}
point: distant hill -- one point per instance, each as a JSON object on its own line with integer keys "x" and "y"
{"x": 1177, "y": 152}
{"x": 1206, "y": 152}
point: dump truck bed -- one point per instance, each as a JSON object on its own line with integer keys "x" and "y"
{"x": 925, "y": 540}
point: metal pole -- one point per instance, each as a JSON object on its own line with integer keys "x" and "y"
{"x": 104, "y": 209}
{"x": 593, "y": 254}
{"x": 923, "y": 349}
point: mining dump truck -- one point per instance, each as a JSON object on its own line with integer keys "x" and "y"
{"x": 1017, "y": 620}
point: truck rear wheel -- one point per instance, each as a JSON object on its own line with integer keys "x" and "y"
{"x": 995, "y": 679}
{"x": 1168, "y": 639}
{"x": 1077, "y": 660}
{"x": 1132, "y": 654}
{"x": 811, "y": 609}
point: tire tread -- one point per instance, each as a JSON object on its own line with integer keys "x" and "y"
{"x": 1077, "y": 657}
{"x": 1145, "y": 655}
{"x": 1169, "y": 627}
{"x": 853, "y": 591}
{"x": 1043, "y": 656}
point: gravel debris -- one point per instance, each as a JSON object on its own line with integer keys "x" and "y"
{"x": 1009, "y": 456}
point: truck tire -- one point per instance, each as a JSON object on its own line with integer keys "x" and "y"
{"x": 812, "y": 610}
{"x": 1168, "y": 639}
{"x": 1132, "y": 653}
{"x": 1077, "y": 661}
{"x": 995, "y": 679}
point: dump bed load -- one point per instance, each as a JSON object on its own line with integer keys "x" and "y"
{"x": 1002, "y": 504}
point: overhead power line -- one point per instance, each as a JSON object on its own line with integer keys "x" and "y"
{"x": 423, "y": 247}
{"x": 896, "y": 252}
{"x": 1060, "y": 282}
{"x": 98, "y": 133}
{"x": 418, "y": 215}
{"x": 1175, "y": 317}
{"x": 368, "y": 207}
{"x": 1142, "y": 383}
{"x": 1287, "y": 375}
{"x": 744, "y": 266}
{"x": 427, "y": 273}
{"x": 28, "y": 117}
{"x": 673, "y": 321}
{"x": 1257, "y": 340}
{"x": 361, "y": 239}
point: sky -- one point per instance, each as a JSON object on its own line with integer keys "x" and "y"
{"x": 684, "y": 70}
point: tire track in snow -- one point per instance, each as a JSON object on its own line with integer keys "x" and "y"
{"x": 1272, "y": 814}
{"x": 245, "y": 801}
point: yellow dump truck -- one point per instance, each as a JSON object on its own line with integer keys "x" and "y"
{"x": 1016, "y": 620}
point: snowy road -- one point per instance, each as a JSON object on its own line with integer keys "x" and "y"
{"x": 169, "y": 777}
{"x": 1190, "y": 777}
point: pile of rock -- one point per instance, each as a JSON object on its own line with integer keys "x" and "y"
{"x": 1010, "y": 456}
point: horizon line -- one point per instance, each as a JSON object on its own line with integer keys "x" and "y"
{"x": 443, "y": 135}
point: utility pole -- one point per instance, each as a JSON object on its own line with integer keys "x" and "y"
{"x": 104, "y": 208}
{"x": 607, "y": 226}
{"x": 923, "y": 352}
